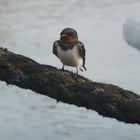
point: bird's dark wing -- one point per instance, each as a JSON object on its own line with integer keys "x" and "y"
{"x": 55, "y": 48}
{"x": 82, "y": 52}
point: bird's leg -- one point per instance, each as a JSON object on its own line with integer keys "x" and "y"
{"x": 76, "y": 74}
{"x": 62, "y": 68}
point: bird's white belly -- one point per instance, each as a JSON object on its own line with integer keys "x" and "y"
{"x": 70, "y": 57}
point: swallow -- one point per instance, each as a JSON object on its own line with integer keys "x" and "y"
{"x": 70, "y": 50}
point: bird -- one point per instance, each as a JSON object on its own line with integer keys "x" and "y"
{"x": 70, "y": 50}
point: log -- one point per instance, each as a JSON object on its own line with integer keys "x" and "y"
{"x": 107, "y": 99}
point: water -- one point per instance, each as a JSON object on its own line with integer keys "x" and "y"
{"x": 30, "y": 28}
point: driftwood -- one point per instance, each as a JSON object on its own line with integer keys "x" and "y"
{"x": 108, "y": 100}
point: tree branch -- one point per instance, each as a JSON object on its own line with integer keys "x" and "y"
{"x": 108, "y": 100}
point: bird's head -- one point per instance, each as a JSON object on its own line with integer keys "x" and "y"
{"x": 68, "y": 35}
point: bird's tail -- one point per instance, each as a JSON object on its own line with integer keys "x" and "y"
{"x": 84, "y": 67}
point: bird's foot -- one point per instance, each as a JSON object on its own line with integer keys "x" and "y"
{"x": 75, "y": 76}
{"x": 62, "y": 69}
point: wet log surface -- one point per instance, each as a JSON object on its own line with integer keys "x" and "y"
{"x": 108, "y": 100}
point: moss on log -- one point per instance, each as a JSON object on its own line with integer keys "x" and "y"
{"x": 108, "y": 100}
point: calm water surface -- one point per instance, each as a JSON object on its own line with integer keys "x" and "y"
{"x": 29, "y": 28}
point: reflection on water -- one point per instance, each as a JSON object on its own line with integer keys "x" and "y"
{"x": 29, "y": 28}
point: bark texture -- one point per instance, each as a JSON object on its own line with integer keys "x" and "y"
{"x": 108, "y": 100}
